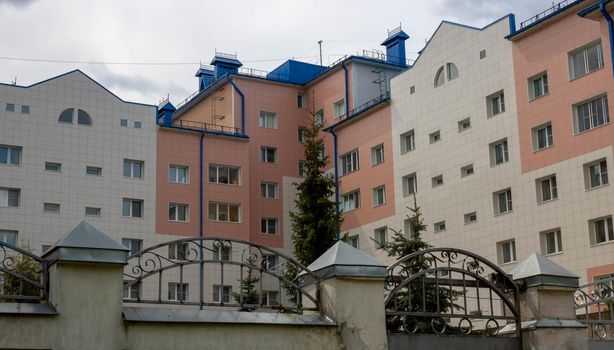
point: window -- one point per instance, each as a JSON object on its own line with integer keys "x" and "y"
{"x": 495, "y": 104}
{"x": 498, "y": 152}
{"x": 551, "y": 241}
{"x": 302, "y": 168}
{"x": 452, "y": 71}
{"x": 268, "y": 120}
{"x": 585, "y": 60}
{"x": 178, "y": 291}
{"x": 10, "y": 155}
{"x": 546, "y": 188}
{"x": 225, "y": 253}
{"x": 270, "y": 262}
{"x": 439, "y": 226}
{"x": 408, "y": 141}
{"x": 10, "y": 107}
{"x": 25, "y": 109}
{"x": 9, "y": 197}
{"x": 319, "y": 117}
{"x": 91, "y": 211}
{"x": 301, "y": 101}
{"x": 138, "y": 124}
{"x": 538, "y": 86}
{"x": 377, "y": 154}
{"x": 123, "y": 122}
{"x": 503, "y": 201}
{"x": 350, "y": 201}
{"x": 381, "y": 235}
{"x": 339, "y": 108}
{"x": 440, "y": 77}
{"x": 222, "y": 294}
{"x": 268, "y": 154}
{"x": 66, "y": 115}
{"x": 51, "y": 208}
{"x": 349, "y": 162}
{"x": 410, "y": 184}
{"x": 177, "y": 212}
{"x": 470, "y": 217}
{"x": 268, "y": 190}
{"x": 133, "y": 169}
{"x": 435, "y": 137}
{"x": 83, "y": 118}
{"x": 55, "y": 167}
{"x": 132, "y": 208}
{"x": 467, "y": 170}
{"x": 93, "y": 171}
{"x": 379, "y": 196}
{"x": 135, "y": 245}
{"x": 506, "y": 252}
{"x": 301, "y": 134}
{"x": 224, "y": 212}
{"x": 178, "y": 251}
{"x": 224, "y": 174}
{"x": 9, "y": 237}
{"x": 270, "y": 298}
{"x": 482, "y": 54}
{"x": 542, "y": 137}
{"x": 464, "y": 124}
{"x": 437, "y": 180}
{"x": 179, "y": 174}
{"x": 407, "y": 229}
{"x": 412, "y": 89}
{"x": 596, "y": 174}
{"x": 132, "y": 292}
{"x": 354, "y": 241}
{"x": 268, "y": 226}
{"x": 591, "y": 114}
{"x": 601, "y": 230}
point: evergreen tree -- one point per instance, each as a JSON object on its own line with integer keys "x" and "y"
{"x": 248, "y": 289}
{"x": 26, "y": 267}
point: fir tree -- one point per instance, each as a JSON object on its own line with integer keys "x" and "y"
{"x": 248, "y": 289}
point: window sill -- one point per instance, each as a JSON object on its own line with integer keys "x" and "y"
{"x": 537, "y": 97}
{"x": 220, "y": 183}
{"x": 180, "y": 221}
{"x": 407, "y": 151}
{"x": 348, "y": 173}
{"x": 178, "y": 183}
{"x": 224, "y": 222}
{"x": 585, "y": 74}
{"x": 504, "y": 213}
{"x": 548, "y": 201}
{"x": 379, "y": 205}
{"x": 132, "y": 217}
{"x": 376, "y": 164}
{"x": 554, "y": 254}
{"x": 596, "y": 187}
{"x": 440, "y": 231}
{"x": 499, "y": 164}
{"x": 508, "y": 263}
{"x": 542, "y": 149}
{"x": 471, "y": 222}
{"x": 269, "y": 234}
{"x": 405, "y": 195}
{"x": 601, "y": 243}
{"x": 10, "y": 165}
{"x": 463, "y": 130}
{"x": 591, "y": 129}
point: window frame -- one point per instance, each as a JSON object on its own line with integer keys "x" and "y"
{"x": 435, "y": 137}
{"x": 10, "y": 154}
{"x": 511, "y": 251}
{"x": 408, "y": 181}
{"x": 352, "y": 163}
{"x": 265, "y": 222}
{"x": 228, "y": 212}
{"x": 507, "y": 200}
{"x": 497, "y": 148}
{"x": 608, "y": 230}
{"x": 578, "y": 123}
{"x": 219, "y": 168}
{"x": 220, "y": 295}
{"x": 461, "y": 124}
{"x": 265, "y": 190}
{"x": 174, "y": 169}
{"x": 264, "y": 154}
{"x": 375, "y": 196}
{"x": 51, "y": 208}
{"x": 339, "y": 108}
{"x": 542, "y": 80}
{"x": 549, "y": 136}
{"x": 495, "y": 100}
{"x": 584, "y": 51}
{"x": 408, "y": 141}
{"x": 132, "y": 163}
{"x": 551, "y": 187}
{"x": 545, "y": 241}
{"x": 265, "y": 118}
{"x": 470, "y": 218}
{"x": 602, "y": 175}
{"x": 98, "y": 212}
{"x": 132, "y": 202}
{"x": 348, "y": 198}
{"x": 16, "y": 197}
{"x": 465, "y": 170}
{"x": 135, "y": 245}
{"x": 6, "y": 234}
{"x": 49, "y": 167}
{"x": 176, "y": 217}
{"x": 382, "y": 232}
{"x": 180, "y": 291}
{"x": 97, "y": 174}
{"x": 377, "y": 155}
{"x": 439, "y": 226}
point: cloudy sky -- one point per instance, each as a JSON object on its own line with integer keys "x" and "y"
{"x": 146, "y": 49}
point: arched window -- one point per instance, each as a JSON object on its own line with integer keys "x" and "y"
{"x": 66, "y": 115}
{"x": 439, "y": 77}
{"x": 452, "y": 71}
{"x": 83, "y": 118}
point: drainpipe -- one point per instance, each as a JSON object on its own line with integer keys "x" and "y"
{"x": 336, "y": 172}
{"x": 347, "y": 99}
{"x": 201, "y": 228}
{"x": 608, "y": 18}
{"x": 229, "y": 78}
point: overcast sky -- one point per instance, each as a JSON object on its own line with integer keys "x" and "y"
{"x": 263, "y": 33}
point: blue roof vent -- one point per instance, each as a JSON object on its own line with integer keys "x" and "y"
{"x": 205, "y": 76}
{"x": 225, "y": 63}
{"x": 395, "y": 47}
{"x": 165, "y": 113}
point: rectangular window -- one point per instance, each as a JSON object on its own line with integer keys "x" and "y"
{"x": 132, "y": 292}
{"x": 408, "y": 141}
{"x": 51, "y": 208}
{"x": 437, "y": 180}
{"x": 435, "y": 137}
{"x": 542, "y": 136}
{"x": 269, "y": 226}
{"x": 407, "y": 229}
{"x": 135, "y": 245}
{"x": 377, "y": 154}
{"x": 302, "y": 169}
{"x": 133, "y": 168}
{"x": 53, "y": 167}
{"x": 137, "y": 124}
{"x": 601, "y": 230}
{"x": 585, "y": 60}
{"x": 354, "y": 241}
{"x": 495, "y": 104}
{"x": 538, "y": 86}
{"x": 270, "y": 262}
{"x": 381, "y": 235}
{"x": 467, "y": 170}
{"x": 546, "y": 188}
{"x": 10, "y": 155}
{"x": 470, "y": 217}
{"x": 439, "y": 226}
{"x": 464, "y": 124}
{"x": 506, "y": 251}
{"x": 123, "y": 123}
{"x": 132, "y": 208}
{"x": 301, "y": 101}
{"x": 93, "y": 171}
{"x": 225, "y": 253}
{"x": 7, "y": 236}
{"x": 179, "y": 174}
{"x": 349, "y": 162}
{"x": 551, "y": 241}
{"x": 222, "y": 294}
{"x": 339, "y": 108}
{"x": 596, "y": 174}
{"x": 319, "y": 118}
{"x": 25, "y": 109}
{"x": 412, "y": 89}
{"x": 224, "y": 212}
{"x": 9, "y": 197}
{"x": 482, "y": 54}
{"x": 350, "y": 201}
{"x": 177, "y": 212}
{"x": 178, "y": 291}
{"x": 10, "y": 107}
{"x": 379, "y": 196}
{"x": 591, "y": 114}
{"x": 268, "y": 190}
{"x": 268, "y": 120}
{"x": 498, "y": 152}
{"x": 224, "y": 174}
{"x": 410, "y": 184}
{"x": 270, "y": 298}
{"x": 503, "y": 201}
{"x": 301, "y": 134}
{"x": 91, "y": 211}
{"x": 178, "y": 251}
{"x": 268, "y": 154}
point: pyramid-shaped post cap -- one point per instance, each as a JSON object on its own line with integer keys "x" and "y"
{"x": 86, "y": 243}
{"x": 537, "y": 270}
{"x": 343, "y": 260}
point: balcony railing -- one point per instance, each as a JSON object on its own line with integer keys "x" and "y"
{"x": 206, "y": 126}
{"x": 555, "y": 8}
{"x": 365, "y": 106}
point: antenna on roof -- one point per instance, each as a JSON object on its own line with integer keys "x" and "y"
{"x": 14, "y": 81}
{"x": 320, "y": 43}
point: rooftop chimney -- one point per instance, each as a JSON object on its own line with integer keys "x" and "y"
{"x": 205, "y": 77}
{"x": 395, "y": 47}
{"x": 225, "y": 63}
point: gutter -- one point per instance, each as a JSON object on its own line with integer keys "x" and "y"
{"x": 336, "y": 172}
{"x": 200, "y": 224}
{"x": 608, "y": 18}
{"x": 229, "y": 79}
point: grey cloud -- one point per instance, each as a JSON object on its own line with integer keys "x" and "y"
{"x": 17, "y": 3}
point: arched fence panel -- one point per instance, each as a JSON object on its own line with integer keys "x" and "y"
{"x": 23, "y": 275}
{"x": 594, "y": 304}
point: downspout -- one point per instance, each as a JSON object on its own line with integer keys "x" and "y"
{"x": 608, "y": 18}
{"x": 336, "y": 172}
{"x": 347, "y": 95}
{"x": 229, "y": 78}
{"x": 200, "y": 224}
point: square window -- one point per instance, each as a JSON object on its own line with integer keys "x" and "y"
{"x": 498, "y": 152}
{"x": 132, "y": 292}
{"x": 437, "y": 180}
{"x": 10, "y": 107}
{"x": 91, "y": 211}
{"x": 495, "y": 104}
{"x": 270, "y": 262}
{"x": 268, "y": 154}
{"x": 470, "y": 217}
{"x": 350, "y": 201}
{"x": 601, "y": 230}
{"x": 53, "y": 167}
{"x": 10, "y": 155}
{"x": 269, "y": 226}
{"x": 410, "y": 184}
{"x": 93, "y": 171}
{"x": 408, "y": 141}
{"x": 270, "y": 298}
{"x": 51, "y": 208}
{"x": 178, "y": 174}
{"x": 439, "y": 226}
{"x": 178, "y": 212}
{"x": 381, "y": 235}
{"x": 551, "y": 241}
{"x": 222, "y": 294}
{"x": 467, "y": 170}
{"x": 25, "y": 109}
{"x": 9, "y": 237}
{"x": 464, "y": 124}
{"x": 502, "y": 201}
{"x": 224, "y": 212}
{"x": 585, "y": 60}
{"x": 268, "y": 120}
{"x": 135, "y": 245}
{"x": 538, "y": 85}
{"x": 379, "y": 196}
{"x": 506, "y": 251}
{"x": 339, "y": 108}
{"x": 178, "y": 251}
{"x": 133, "y": 168}
{"x": 123, "y": 123}
{"x": 349, "y": 162}
{"x": 546, "y": 188}
{"x": 596, "y": 174}
{"x": 178, "y": 291}
{"x": 268, "y": 190}
{"x": 591, "y": 114}
{"x": 9, "y": 197}
{"x": 132, "y": 208}
{"x": 225, "y": 253}
{"x": 435, "y": 137}
{"x": 137, "y": 124}
{"x": 377, "y": 154}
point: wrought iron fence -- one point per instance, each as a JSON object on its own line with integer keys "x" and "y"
{"x": 450, "y": 291}
{"x": 23, "y": 275}
{"x": 218, "y": 272}
{"x": 595, "y": 307}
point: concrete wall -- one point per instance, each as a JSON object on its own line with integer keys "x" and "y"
{"x": 432, "y": 341}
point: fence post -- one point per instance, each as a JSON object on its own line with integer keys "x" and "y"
{"x": 546, "y": 305}
{"x": 352, "y": 293}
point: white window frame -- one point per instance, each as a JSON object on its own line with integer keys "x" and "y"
{"x": 268, "y": 229}
{"x": 270, "y": 262}
{"x": 548, "y": 139}
{"x": 376, "y": 196}
{"x": 541, "y": 80}
{"x": 131, "y": 173}
{"x": 339, "y": 108}
{"x": 129, "y": 291}
{"x": 5, "y": 197}
{"x": 545, "y": 240}
{"x": 222, "y": 253}
{"x": 546, "y": 188}
{"x": 608, "y": 230}
{"x": 267, "y": 300}
{"x": 437, "y": 181}
{"x": 435, "y": 137}
{"x": 464, "y": 124}
{"x": 137, "y": 124}
{"x": 51, "y": 208}
{"x": 377, "y": 154}
{"x": 508, "y": 247}
{"x": 216, "y": 174}
{"x": 10, "y": 155}
{"x": 178, "y": 291}
{"x": 178, "y": 251}
{"x": 439, "y": 226}
{"x": 268, "y": 190}
{"x": 222, "y": 294}
{"x": 354, "y": 241}
{"x": 350, "y": 201}
{"x": 495, "y": 104}
{"x": 467, "y": 170}
{"x": 174, "y": 172}
{"x": 380, "y": 235}
{"x": 507, "y": 198}
{"x": 96, "y": 209}
{"x": 53, "y": 167}
{"x": 98, "y": 171}
{"x": 135, "y": 245}
{"x": 10, "y": 237}
{"x": 175, "y": 216}
{"x": 131, "y": 213}
{"x": 264, "y": 154}
{"x": 408, "y": 141}
{"x": 601, "y": 166}
{"x": 220, "y": 218}
{"x": 470, "y": 218}
{"x": 267, "y": 120}
{"x": 499, "y": 149}
{"x": 592, "y": 108}
{"x": 410, "y": 184}
{"x": 585, "y": 64}
{"x": 350, "y": 162}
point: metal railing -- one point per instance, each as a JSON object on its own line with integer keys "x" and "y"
{"x": 206, "y": 126}
{"x": 232, "y": 56}
{"x": 394, "y": 31}
{"x": 555, "y": 8}
{"x": 220, "y": 272}
{"x": 187, "y": 99}
{"x": 363, "y": 107}
{"x": 263, "y": 74}
{"x": 449, "y": 291}
{"x": 594, "y": 304}
{"x": 23, "y": 276}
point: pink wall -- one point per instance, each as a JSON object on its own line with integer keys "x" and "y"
{"x": 547, "y": 49}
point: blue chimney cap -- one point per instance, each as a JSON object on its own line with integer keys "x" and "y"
{"x": 204, "y": 71}
{"x": 395, "y": 36}
{"x": 226, "y": 61}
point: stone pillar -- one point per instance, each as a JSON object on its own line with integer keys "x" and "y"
{"x": 547, "y": 307}
{"x": 352, "y": 293}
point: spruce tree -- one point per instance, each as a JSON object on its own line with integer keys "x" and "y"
{"x": 248, "y": 289}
